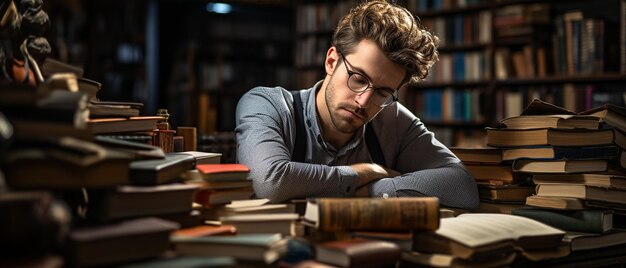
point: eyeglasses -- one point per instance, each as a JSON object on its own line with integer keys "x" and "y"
{"x": 359, "y": 83}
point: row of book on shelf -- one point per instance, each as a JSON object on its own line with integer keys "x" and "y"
{"x": 469, "y": 105}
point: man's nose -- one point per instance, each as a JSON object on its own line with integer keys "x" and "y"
{"x": 364, "y": 98}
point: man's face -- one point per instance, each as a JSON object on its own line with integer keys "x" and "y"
{"x": 349, "y": 110}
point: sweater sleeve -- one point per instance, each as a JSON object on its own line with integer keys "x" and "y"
{"x": 427, "y": 166}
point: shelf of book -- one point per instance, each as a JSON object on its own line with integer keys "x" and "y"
{"x": 570, "y": 53}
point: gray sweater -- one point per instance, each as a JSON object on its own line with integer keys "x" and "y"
{"x": 266, "y": 132}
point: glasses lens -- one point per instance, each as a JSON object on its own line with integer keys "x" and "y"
{"x": 383, "y": 97}
{"x": 358, "y": 83}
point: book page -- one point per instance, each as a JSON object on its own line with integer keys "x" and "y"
{"x": 478, "y": 229}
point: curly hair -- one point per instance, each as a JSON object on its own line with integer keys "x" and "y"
{"x": 399, "y": 34}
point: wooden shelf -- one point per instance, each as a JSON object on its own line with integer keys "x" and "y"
{"x": 456, "y": 10}
{"x": 451, "y": 84}
{"x": 455, "y": 124}
{"x": 581, "y": 78}
{"x": 462, "y": 47}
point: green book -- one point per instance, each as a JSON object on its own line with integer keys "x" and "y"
{"x": 587, "y": 221}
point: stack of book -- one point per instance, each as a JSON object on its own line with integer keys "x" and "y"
{"x": 220, "y": 184}
{"x": 575, "y": 162}
{"x": 499, "y": 189}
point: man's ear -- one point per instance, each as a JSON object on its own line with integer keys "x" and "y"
{"x": 332, "y": 58}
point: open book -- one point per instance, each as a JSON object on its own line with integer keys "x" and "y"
{"x": 477, "y": 235}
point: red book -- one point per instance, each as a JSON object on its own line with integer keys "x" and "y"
{"x": 223, "y": 172}
{"x": 205, "y": 230}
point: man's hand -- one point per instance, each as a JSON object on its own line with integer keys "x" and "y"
{"x": 369, "y": 172}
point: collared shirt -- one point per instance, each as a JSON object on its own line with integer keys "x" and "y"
{"x": 266, "y": 132}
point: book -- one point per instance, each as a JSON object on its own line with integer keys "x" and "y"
{"x": 473, "y": 235}
{"x": 505, "y": 193}
{"x": 262, "y": 248}
{"x": 221, "y": 211}
{"x": 215, "y": 185}
{"x": 561, "y": 152}
{"x": 140, "y": 150}
{"x": 404, "y": 240}
{"x": 506, "y": 137}
{"x": 598, "y": 180}
{"x": 160, "y": 171}
{"x": 204, "y": 157}
{"x": 611, "y": 114}
{"x": 399, "y": 214}
{"x": 125, "y": 241}
{"x": 211, "y": 198}
{"x": 586, "y": 221}
{"x": 559, "y": 166}
{"x": 132, "y": 201}
{"x": 583, "y": 192}
{"x": 68, "y": 164}
{"x": 445, "y": 260}
{"x": 502, "y": 208}
{"x": 89, "y": 87}
{"x": 184, "y": 262}
{"x": 478, "y": 155}
{"x": 561, "y": 121}
{"x": 99, "y": 109}
{"x": 119, "y": 125}
{"x": 282, "y": 223}
{"x": 586, "y": 241}
{"x": 358, "y": 252}
{"x": 556, "y": 202}
{"x": 487, "y": 172}
{"x": 223, "y": 172}
{"x": 205, "y": 230}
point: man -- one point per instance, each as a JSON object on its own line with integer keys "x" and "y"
{"x": 377, "y": 48}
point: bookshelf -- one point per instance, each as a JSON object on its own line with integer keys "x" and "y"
{"x": 496, "y": 56}
{"x": 315, "y": 22}
{"x": 189, "y": 57}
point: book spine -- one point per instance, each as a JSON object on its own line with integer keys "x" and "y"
{"x": 420, "y": 213}
{"x": 587, "y": 221}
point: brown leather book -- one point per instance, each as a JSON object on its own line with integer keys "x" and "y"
{"x": 394, "y": 214}
{"x": 358, "y": 252}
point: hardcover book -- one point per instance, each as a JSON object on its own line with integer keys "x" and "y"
{"x": 585, "y": 192}
{"x": 598, "y": 180}
{"x": 561, "y": 152}
{"x": 126, "y": 241}
{"x": 586, "y": 241}
{"x": 505, "y": 193}
{"x": 445, "y": 260}
{"x": 473, "y": 235}
{"x": 358, "y": 252}
{"x": 282, "y": 223}
{"x": 223, "y": 172}
{"x": 505, "y": 137}
{"x": 556, "y": 202}
{"x": 133, "y": 201}
{"x": 103, "y": 109}
{"x": 562, "y": 121}
{"x": 160, "y": 171}
{"x": 399, "y": 214}
{"x": 611, "y": 114}
{"x": 586, "y": 221}
{"x": 559, "y": 166}
{"x": 262, "y": 248}
{"x": 67, "y": 164}
{"x": 120, "y": 125}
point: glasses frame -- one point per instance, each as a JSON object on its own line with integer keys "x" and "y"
{"x": 351, "y": 73}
